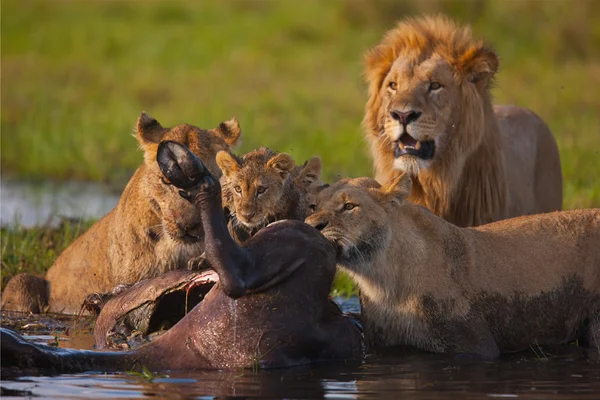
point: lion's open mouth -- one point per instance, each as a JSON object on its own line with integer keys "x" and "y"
{"x": 407, "y": 145}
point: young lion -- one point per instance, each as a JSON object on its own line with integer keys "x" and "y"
{"x": 495, "y": 288}
{"x": 153, "y": 228}
{"x": 262, "y": 187}
{"x": 430, "y": 114}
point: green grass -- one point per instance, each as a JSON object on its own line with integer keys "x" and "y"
{"x": 76, "y": 74}
{"x": 34, "y": 250}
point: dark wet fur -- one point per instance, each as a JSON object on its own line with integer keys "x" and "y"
{"x": 499, "y": 324}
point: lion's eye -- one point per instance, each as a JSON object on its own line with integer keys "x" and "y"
{"x": 393, "y": 85}
{"x": 349, "y": 206}
{"x": 261, "y": 189}
{"x": 164, "y": 181}
{"x": 237, "y": 189}
{"x": 434, "y": 86}
{"x": 313, "y": 207}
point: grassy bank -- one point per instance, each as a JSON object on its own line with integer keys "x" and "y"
{"x": 34, "y": 250}
{"x": 76, "y": 74}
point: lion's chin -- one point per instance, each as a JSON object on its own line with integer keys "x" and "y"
{"x": 253, "y": 227}
{"x": 410, "y": 164}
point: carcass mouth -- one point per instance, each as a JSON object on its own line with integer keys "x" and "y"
{"x": 406, "y": 145}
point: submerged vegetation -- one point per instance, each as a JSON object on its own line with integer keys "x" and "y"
{"x": 77, "y": 74}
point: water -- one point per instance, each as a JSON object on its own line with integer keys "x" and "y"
{"x": 564, "y": 372}
{"x": 29, "y": 204}
{"x": 417, "y": 376}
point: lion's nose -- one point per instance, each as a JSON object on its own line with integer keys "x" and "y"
{"x": 405, "y": 117}
{"x": 318, "y": 224}
{"x": 248, "y": 214}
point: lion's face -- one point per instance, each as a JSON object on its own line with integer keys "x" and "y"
{"x": 417, "y": 111}
{"x": 178, "y": 218}
{"x": 256, "y": 187}
{"x": 352, "y": 214}
{"x": 428, "y": 81}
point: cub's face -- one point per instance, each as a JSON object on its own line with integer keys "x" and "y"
{"x": 257, "y": 188}
{"x": 177, "y": 218}
{"x": 417, "y": 111}
{"x": 352, "y": 214}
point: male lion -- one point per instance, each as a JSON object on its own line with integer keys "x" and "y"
{"x": 486, "y": 290}
{"x": 430, "y": 114}
{"x": 263, "y": 186}
{"x": 153, "y": 228}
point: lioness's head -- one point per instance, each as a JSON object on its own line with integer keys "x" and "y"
{"x": 258, "y": 186}
{"x": 354, "y": 215}
{"x": 177, "y": 217}
{"x": 428, "y": 81}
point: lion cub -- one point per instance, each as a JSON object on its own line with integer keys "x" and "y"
{"x": 263, "y": 186}
{"x": 487, "y": 290}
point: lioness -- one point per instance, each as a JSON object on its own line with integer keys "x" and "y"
{"x": 495, "y": 288}
{"x": 153, "y": 228}
{"x": 263, "y": 186}
{"x": 430, "y": 114}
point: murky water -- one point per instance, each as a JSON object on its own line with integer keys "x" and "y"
{"x": 567, "y": 375}
{"x": 31, "y": 204}
{"x": 564, "y": 372}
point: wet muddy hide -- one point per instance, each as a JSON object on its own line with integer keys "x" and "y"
{"x": 150, "y": 307}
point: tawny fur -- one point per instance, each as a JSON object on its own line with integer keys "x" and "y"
{"x": 263, "y": 186}
{"x": 490, "y": 162}
{"x": 495, "y": 288}
{"x": 146, "y": 234}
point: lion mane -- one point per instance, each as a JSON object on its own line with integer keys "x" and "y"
{"x": 467, "y": 183}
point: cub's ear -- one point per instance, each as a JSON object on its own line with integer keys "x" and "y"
{"x": 283, "y": 163}
{"x": 229, "y": 131}
{"x": 310, "y": 172}
{"x": 479, "y": 64}
{"x": 149, "y": 130}
{"x": 227, "y": 163}
{"x": 398, "y": 189}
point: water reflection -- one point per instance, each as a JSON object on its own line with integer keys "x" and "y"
{"x": 569, "y": 372}
{"x": 31, "y": 204}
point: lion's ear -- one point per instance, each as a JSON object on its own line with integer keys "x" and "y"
{"x": 149, "y": 130}
{"x": 229, "y": 131}
{"x": 282, "y": 163}
{"x": 398, "y": 188}
{"x": 227, "y": 163}
{"x": 310, "y": 172}
{"x": 479, "y": 65}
